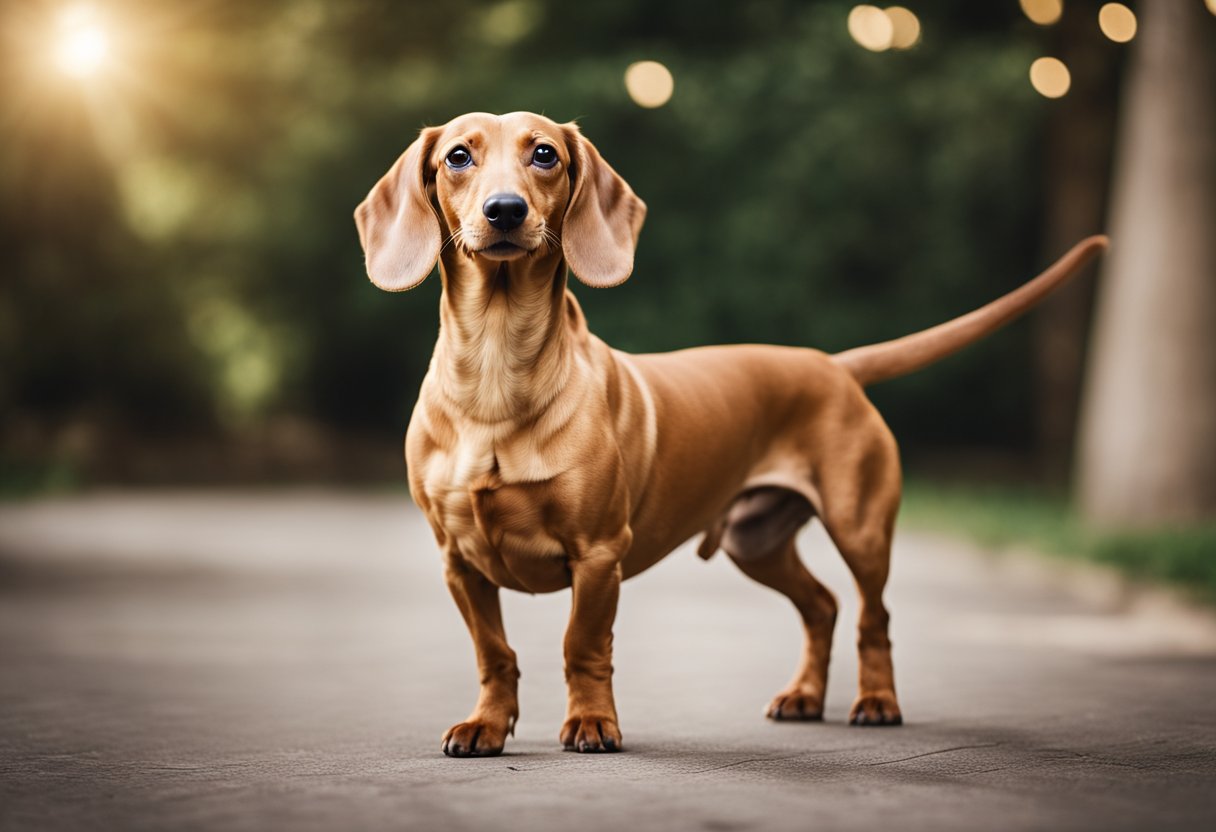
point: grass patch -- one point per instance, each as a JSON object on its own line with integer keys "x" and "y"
{"x": 999, "y": 516}
{"x": 24, "y": 478}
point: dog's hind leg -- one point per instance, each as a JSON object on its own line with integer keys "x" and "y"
{"x": 876, "y": 703}
{"x": 859, "y": 513}
{"x": 760, "y": 540}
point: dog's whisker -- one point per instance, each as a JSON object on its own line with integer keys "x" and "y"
{"x": 449, "y": 240}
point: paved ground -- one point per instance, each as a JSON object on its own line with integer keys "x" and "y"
{"x": 266, "y": 661}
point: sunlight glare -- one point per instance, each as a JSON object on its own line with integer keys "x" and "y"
{"x": 83, "y": 44}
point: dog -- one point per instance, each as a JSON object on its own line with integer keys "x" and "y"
{"x": 544, "y": 459}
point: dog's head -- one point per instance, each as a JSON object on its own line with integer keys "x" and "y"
{"x": 500, "y": 188}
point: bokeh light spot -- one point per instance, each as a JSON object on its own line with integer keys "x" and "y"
{"x": 1043, "y": 12}
{"x": 905, "y": 27}
{"x": 871, "y": 28}
{"x": 1050, "y": 77}
{"x": 509, "y": 22}
{"x": 1117, "y": 22}
{"x": 649, "y": 83}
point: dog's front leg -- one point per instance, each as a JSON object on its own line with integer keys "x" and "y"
{"x": 591, "y": 722}
{"x": 484, "y": 733}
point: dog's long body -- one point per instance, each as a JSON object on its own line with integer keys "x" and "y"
{"x": 544, "y": 459}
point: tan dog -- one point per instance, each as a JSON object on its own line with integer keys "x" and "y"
{"x": 545, "y": 459}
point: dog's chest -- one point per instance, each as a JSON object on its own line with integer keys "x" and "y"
{"x": 493, "y": 516}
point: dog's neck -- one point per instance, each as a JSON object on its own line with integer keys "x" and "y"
{"x": 504, "y": 345}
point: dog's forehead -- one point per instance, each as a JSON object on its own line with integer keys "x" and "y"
{"x": 499, "y": 126}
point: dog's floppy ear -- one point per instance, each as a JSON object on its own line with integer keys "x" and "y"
{"x": 604, "y": 217}
{"x": 397, "y": 225}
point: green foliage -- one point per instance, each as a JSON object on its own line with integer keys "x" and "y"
{"x": 1000, "y": 516}
{"x": 182, "y": 252}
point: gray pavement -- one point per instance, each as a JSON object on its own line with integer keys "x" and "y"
{"x": 290, "y": 660}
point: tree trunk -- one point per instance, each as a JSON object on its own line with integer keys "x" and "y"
{"x": 1077, "y": 160}
{"x": 1148, "y": 426}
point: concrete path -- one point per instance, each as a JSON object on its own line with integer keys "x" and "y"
{"x": 289, "y": 661}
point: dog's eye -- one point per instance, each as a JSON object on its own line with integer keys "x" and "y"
{"x": 459, "y": 159}
{"x": 544, "y": 156}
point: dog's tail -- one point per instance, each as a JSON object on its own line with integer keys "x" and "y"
{"x": 892, "y": 359}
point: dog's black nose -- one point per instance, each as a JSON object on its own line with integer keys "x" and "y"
{"x": 505, "y": 211}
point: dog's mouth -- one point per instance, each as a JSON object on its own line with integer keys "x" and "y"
{"x": 502, "y": 250}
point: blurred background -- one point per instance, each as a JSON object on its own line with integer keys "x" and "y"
{"x": 183, "y": 299}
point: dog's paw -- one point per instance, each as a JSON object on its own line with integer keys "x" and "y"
{"x": 475, "y": 738}
{"x": 590, "y": 734}
{"x": 876, "y": 709}
{"x": 796, "y": 705}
